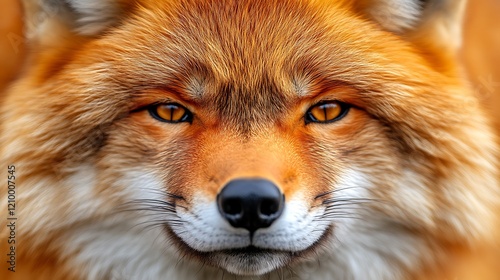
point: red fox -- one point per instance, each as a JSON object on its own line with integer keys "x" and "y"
{"x": 246, "y": 139}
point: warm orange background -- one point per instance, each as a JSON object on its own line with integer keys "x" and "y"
{"x": 481, "y": 52}
{"x": 11, "y": 50}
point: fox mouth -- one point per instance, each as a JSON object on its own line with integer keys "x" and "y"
{"x": 249, "y": 251}
{"x": 249, "y": 229}
{"x": 249, "y": 260}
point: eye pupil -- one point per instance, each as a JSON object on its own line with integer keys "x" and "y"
{"x": 325, "y": 112}
{"x": 171, "y": 113}
{"x": 169, "y": 108}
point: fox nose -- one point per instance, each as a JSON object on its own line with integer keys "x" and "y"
{"x": 250, "y": 203}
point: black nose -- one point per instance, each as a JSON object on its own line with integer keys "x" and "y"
{"x": 250, "y": 203}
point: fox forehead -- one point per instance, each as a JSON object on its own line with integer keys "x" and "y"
{"x": 232, "y": 42}
{"x": 231, "y": 57}
{"x": 227, "y": 53}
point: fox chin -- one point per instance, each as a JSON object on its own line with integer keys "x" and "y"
{"x": 276, "y": 139}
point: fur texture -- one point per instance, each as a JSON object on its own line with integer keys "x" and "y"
{"x": 399, "y": 188}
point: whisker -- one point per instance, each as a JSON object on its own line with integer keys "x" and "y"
{"x": 349, "y": 217}
{"x": 336, "y": 191}
{"x": 350, "y": 200}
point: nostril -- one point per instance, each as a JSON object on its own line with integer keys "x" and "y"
{"x": 269, "y": 207}
{"x": 232, "y": 206}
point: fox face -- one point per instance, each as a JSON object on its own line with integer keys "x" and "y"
{"x": 189, "y": 139}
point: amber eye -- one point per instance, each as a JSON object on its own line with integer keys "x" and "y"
{"x": 171, "y": 113}
{"x": 327, "y": 111}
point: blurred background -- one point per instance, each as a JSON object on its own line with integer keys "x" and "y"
{"x": 480, "y": 53}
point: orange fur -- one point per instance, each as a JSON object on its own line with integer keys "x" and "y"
{"x": 75, "y": 123}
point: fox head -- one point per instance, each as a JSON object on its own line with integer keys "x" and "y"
{"x": 249, "y": 136}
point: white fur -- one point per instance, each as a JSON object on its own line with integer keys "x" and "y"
{"x": 204, "y": 229}
{"x": 415, "y": 197}
{"x": 297, "y": 229}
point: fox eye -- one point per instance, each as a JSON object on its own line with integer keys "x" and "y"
{"x": 170, "y": 113}
{"x": 326, "y": 112}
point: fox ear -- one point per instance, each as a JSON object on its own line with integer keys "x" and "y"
{"x": 93, "y": 16}
{"x": 392, "y": 15}
{"x": 85, "y": 17}
{"x": 440, "y": 21}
